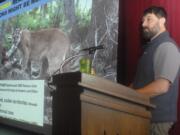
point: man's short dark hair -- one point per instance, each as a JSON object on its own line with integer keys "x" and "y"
{"x": 158, "y": 11}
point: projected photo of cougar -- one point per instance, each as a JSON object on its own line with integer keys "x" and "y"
{"x": 49, "y": 39}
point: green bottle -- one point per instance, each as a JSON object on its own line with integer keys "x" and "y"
{"x": 85, "y": 65}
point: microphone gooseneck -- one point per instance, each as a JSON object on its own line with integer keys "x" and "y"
{"x": 93, "y": 49}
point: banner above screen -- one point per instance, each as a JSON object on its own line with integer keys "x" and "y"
{"x": 10, "y": 8}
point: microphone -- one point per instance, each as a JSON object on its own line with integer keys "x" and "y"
{"x": 94, "y": 48}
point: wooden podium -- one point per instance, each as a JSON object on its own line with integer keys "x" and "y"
{"x": 89, "y": 105}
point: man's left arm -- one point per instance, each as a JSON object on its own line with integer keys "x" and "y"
{"x": 155, "y": 88}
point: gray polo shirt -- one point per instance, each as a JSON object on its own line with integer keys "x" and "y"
{"x": 166, "y": 61}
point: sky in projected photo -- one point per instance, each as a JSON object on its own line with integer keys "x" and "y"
{"x": 85, "y": 4}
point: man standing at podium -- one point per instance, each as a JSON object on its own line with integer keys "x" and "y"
{"x": 158, "y": 70}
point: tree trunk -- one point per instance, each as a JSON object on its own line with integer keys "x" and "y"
{"x": 69, "y": 10}
{"x": 104, "y": 31}
{"x": 58, "y": 14}
{"x": 1, "y": 40}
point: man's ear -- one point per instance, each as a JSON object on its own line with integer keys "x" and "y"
{"x": 163, "y": 21}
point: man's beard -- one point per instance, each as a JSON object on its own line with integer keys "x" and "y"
{"x": 148, "y": 34}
